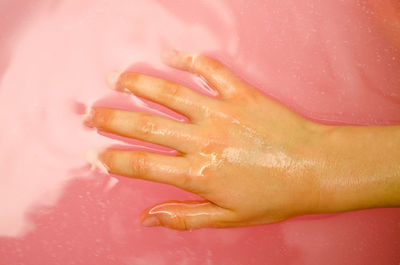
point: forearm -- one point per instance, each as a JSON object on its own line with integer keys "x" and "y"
{"x": 363, "y": 168}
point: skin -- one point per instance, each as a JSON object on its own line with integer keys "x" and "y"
{"x": 387, "y": 17}
{"x": 252, "y": 160}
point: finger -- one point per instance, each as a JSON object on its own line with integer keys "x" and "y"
{"x": 144, "y": 126}
{"x": 214, "y": 72}
{"x": 187, "y": 215}
{"x": 171, "y": 170}
{"x": 167, "y": 93}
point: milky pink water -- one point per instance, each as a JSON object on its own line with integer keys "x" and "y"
{"x": 330, "y": 61}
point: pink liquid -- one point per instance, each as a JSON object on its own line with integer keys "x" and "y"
{"x": 327, "y": 60}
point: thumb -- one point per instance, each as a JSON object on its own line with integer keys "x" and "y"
{"x": 187, "y": 215}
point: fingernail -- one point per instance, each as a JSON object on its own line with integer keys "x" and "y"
{"x": 151, "y": 221}
{"x": 112, "y": 79}
{"x": 168, "y": 54}
{"x": 87, "y": 117}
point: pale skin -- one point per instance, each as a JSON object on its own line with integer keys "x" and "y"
{"x": 252, "y": 160}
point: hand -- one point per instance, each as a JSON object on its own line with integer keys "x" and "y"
{"x": 252, "y": 159}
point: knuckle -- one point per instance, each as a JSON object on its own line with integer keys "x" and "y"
{"x": 245, "y": 95}
{"x": 210, "y": 64}
{"x": 189, "y": 61}
{"x": 188, "y": 181}
{"x": 179, "y": 222}
{"x": 194, "y": 180}
{"x": 140, "y": 164}
{"x": 212, "y": 142}
{"x": 145, "y": 125}
{"x": 185, "y": 224}
{"x": 169, "y": 89}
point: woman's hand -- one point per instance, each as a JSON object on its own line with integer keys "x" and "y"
{"x": 253, "y": 160}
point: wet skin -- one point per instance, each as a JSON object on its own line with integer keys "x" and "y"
{"x": 252, "y": 160}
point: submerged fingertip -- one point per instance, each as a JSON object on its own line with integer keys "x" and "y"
{"x": 87, "y": 116}
{"x": 94, "y": 159}
{"x": 181, "y": 60}
{"x": 112, "y": 79}
{"x": 168, "y": 55}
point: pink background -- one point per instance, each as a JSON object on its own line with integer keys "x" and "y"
{"x": 330, "y": 61}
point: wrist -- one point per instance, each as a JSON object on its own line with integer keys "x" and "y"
{"x": 360, "y": 169}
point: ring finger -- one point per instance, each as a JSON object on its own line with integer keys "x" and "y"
{"x": 143, "y": 126}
